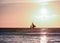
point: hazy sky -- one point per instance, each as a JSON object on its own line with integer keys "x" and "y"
{"x": 21, "y": 13}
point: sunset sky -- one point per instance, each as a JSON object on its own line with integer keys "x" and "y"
{"x": 21, "y": 13}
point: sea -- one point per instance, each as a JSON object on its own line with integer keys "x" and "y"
{"x": 27, "y": 35}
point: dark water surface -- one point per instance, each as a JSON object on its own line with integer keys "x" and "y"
{"x": 27, "y": 35}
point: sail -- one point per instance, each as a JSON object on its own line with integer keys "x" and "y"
{"x": 32, "y": 26}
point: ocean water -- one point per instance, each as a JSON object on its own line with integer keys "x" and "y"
{"x": 28, "y": 39}
{"x": 19, "y": 39}
{"x": 31, "y": 37}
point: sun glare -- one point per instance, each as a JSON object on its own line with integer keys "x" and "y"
{"x": 43, "y": 10}
{"x": 44, "y": 14}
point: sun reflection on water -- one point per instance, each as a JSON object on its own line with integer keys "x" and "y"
{"x": 43, "y": 37}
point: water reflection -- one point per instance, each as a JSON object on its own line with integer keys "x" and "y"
{"x": 43, "y": 39}
{"x": 44, "y": 36}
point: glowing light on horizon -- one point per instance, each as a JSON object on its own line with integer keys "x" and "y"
{"x": 44, "y": 14}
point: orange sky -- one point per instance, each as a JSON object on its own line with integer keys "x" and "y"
{"x": 15, "y": 13}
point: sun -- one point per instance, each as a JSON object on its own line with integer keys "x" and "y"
{"x": 43, "y": 16}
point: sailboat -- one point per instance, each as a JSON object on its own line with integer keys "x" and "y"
{"x": 32, "y": 26}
